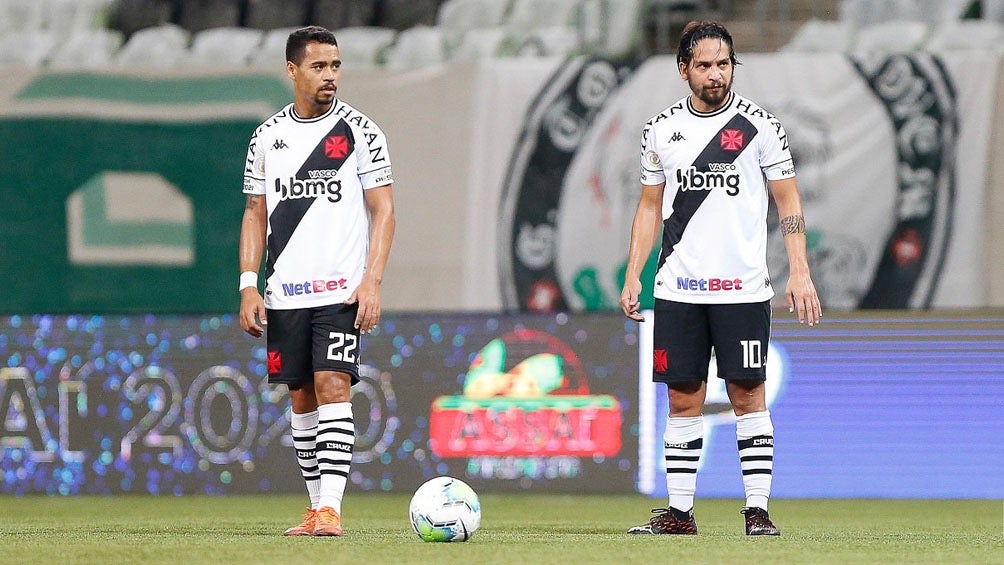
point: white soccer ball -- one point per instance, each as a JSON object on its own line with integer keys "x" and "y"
{"x": 445, "y": 509}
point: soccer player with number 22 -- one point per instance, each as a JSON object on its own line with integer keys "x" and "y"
{"x": 319, "y": 205}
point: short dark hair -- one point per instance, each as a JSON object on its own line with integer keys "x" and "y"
{"x": 698, "y": 30}
{"x": 298, "y": 40}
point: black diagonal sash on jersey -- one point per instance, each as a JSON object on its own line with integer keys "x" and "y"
{"x": 287, "y": 214}
{"x": 686, "y": 203}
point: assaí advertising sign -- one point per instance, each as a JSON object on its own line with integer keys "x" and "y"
{"x": 526, "y": 394}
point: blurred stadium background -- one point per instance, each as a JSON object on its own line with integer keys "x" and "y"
{"x": 513, "y": 127}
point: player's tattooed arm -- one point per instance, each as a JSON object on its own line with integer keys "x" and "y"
{"x": 792, "y": 224}
{"x": 252, "y": 200}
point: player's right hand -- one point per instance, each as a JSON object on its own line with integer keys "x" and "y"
{"x": 630, "y": 301}
{"x": 252, "y": 310}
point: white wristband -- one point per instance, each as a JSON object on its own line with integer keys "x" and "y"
{"x": 248, "y": 278}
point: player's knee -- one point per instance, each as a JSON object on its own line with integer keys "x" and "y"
{"x": 686, "y": 399}
{"x": 332, "y": 386}
{"x": 747, "y": 396}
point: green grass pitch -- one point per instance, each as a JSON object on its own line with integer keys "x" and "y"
{"x": 516, "y": 528}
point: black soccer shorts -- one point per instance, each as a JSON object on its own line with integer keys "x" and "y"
{"x": 684, "y": 335}
{"x": 305, "y": 340}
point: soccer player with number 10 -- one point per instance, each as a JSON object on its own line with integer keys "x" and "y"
{"x": 707, "y": 162}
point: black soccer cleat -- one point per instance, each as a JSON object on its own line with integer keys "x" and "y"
{"x": 758, "y": 522}
{"x": 668, "y": 521}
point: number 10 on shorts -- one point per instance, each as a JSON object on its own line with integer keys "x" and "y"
{"x": 752, "y": 353}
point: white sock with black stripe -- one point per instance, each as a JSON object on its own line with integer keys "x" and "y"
{"x": 684, "y": 439}
{"x": 335, "y": 436}
{"x": 755, "y": 435}
{"x": 304, "y": 428}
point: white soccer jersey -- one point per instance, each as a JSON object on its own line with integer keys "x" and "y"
{"x": 313, "y": 173}
{"x": 714, "y": 209}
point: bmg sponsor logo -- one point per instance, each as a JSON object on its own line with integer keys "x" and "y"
{"x": 692, "y": 179}
{"x": 313, "y": 287}
{"x": 315, "y": 188}
{"x": 708, "y": 285}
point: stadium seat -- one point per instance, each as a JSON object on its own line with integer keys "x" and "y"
{"x": 364, "y": 46}
{"x": 130, "y": 16}
{"x": 527, "y": 16}
{"x": 537, "y": 14}
{"x": 821, "y": 36}
{"x": 417, "y": 47}
{"x": 404, "y": 14}
{"x": 21, "y": 16}
{"x": 26, "y": 48}
{"x": 556, "y": 41}
{"x": 612, "y": 28}
{"x": 967, "y": 35}
{"x": 864, "y": 12}
{"x": 89, "y": 49}
{"x": 272, "y": 14}
{"x": 197, "y": 15}
{"x": 937, "y": 11}
{"x": 993, "y": 10}
{"x": 229, "y": 47}
{"x": 870, "y": 12}
{"x": 893, "y": 36}
{"x": 271, "y": 53}
{"x": 457, "y": 17}
{"x": 70, "y": 16}
{"x": 338, "y": 14}
{"x": 669, "y": 15}
{"x": 157, "y": 47}
{"x": 908, "y": 10}
{"x": 479, "y": 43}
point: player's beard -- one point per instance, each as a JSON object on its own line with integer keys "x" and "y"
{"x": 324, "y": 97}
{"x": 714, "y": 98}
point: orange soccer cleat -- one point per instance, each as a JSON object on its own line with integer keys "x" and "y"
{"x": 328, "y": 522}
{"x": 306, "y": 527}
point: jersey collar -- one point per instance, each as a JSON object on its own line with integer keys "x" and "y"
{"x": 292, "y": 113}
{"x": 726, "y": 106}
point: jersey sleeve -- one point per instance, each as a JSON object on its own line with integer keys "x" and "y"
{"x": 775, "y": 159}
{"x": 652, "y": 173}
{"x": 254, "y": 166}
{"x": 374, "y": 159}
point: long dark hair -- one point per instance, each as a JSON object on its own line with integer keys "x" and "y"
{"x": 698, "y": 30}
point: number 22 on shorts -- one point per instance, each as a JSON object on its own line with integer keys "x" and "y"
{"x": 342, "y": 347}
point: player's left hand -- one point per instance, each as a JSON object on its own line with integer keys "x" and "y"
{"x": 802, "y": 298}
{"x": 630, "y": 301}
{"x": 252, "y": 313}
{"x": 367, "y": 294}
